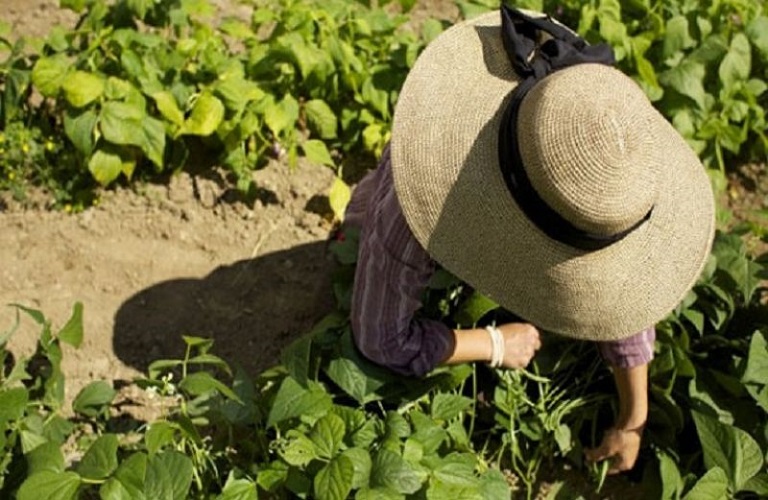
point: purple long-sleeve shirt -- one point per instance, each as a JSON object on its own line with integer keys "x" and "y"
{"x": 392, "y": 273}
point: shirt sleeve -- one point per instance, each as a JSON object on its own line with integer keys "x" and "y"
{"x": 392, "y": 273}
{"x": 630, "y": 352}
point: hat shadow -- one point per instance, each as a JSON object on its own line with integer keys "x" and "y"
{"x": 492, "y": 52}
{"x": 251, "y": 309}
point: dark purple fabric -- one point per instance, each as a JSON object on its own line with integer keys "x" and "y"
{"x": 392, "y": 272}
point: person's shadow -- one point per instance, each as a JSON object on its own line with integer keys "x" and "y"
{"x": 251, "y": 309}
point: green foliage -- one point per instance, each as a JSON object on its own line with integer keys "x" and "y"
{"x": 703, "y": 64}
{"x": 319, "y": 78}
{"x": 326, "y": 423}
{"x": 703, "y": 381}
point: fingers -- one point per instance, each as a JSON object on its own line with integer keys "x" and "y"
{"x": 598, "y": 454}
{"x": 521, "y": 341}
{"x": 619, "y": 463}
{"x": 621, "y": 449}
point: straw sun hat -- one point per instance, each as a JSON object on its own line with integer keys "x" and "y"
{"x": 594, "y": 150}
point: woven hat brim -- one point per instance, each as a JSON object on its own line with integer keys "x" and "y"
{"x": 449, "y": 184}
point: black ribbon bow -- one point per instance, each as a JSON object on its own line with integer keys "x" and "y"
{"x": 533, "y": 61}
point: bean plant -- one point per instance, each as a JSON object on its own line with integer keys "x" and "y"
{"x": 703, "y": 64}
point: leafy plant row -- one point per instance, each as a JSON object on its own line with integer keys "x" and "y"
{"x": 141, "y": 84}
{"x": 327, "y": 424}
{"x": 703, "y": 64}
{"x": 158, "y": 86}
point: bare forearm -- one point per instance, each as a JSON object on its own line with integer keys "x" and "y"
{"x": 470, "y": 345}
{"x": 518, "y": 343}
{"x": 632, "y": 386}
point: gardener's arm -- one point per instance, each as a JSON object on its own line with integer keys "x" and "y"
{"x": 521, "y": 341}
{"x": 629, "y": 360}
{"x": 621, "y": 443}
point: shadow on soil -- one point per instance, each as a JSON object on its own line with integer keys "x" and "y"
{"x": 251, "y": 309}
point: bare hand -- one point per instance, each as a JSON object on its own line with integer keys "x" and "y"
{"x": 521, "y": 341}
{"x": 621, "y": 446}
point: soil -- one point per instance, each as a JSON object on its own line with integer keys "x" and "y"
{"x": 187, "y": 257}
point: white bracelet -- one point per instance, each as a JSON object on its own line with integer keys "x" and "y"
{"x": 497, "y": 345}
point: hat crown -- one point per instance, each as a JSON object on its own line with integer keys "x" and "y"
{"x": 587, "y": 148}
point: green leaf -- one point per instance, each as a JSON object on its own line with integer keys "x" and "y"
{"x": 153, "y": 141}
{"x": 756, "y": 87}
{"x": 140, "y": 7}
{"x": 493, "y": 484}
{"x": 334, "y": 481}
{"x": 75, "y": 5}
{"x": 293, "y": 400}
{"x": 295, "y": 359}
{"x": 46, "y": 457}
{"x": 120, "y": 122}
{"x": 339, "y": 197}
{"x": 127, "y": 483}
{"x": 101, "y": 458}
{"x": 202, "y": 344}
{"x": 159, "y": 366}
{"x": 166, "y": 104}
{"x": 687, "y": 78}
{"x": 49, "y": 73}
{"x": 355, "y": 375}
{"x": 758, "y": 484}
{"x": 50, "y": 486}
{"x": 207, "y": 114}
{"x": 13, "y": 403}
{"x": 105, "y": 166}
{"x": 299, "y": 451}
{"x": 474, "y": 308}
{"x": 328, "y": 434}
{"x": 743, "y": 272}
{"x": 757, "y": 361}
{"x": 677, "y": 36}
{"x": 758, "y": 34}
{"x": 94, "y": 398}
{"x": 316, "y": 152}
{"x": 237, "y": 92}
{"x": 446, "y": 406}
{"x": 711, "y": 486}
{"x": 159, "y": 434}
{"x": 82, "y": 88}
{"x": 361, "y": 459}
{"x": 209, "y": 359}
{"x": 737, "y": 63}
{"x": 200, "y": 383}
{"x": 729, "y": 448}
{"x": 713, "y": 48}
{"x": 72, "y": 332}
{"x": 759, "y": 394}
{"x": 168, "y": 476}
{"x": 31, "y": 440}
{"x": 127, "y": 124}
{"x": 281, "y": 116}
{"x": 321, "y": 119}
{"x": 367, "y": 493}
{"x": 429, "y": 433}
{"x": 455, "y": 469}
{"x": 273, "y": 475}
{"x": 703, "y": 400}
{"x": 671, "y": 482}
{"x": 391, "y": 471}
{"x": 79, "y": 127}
{"x": 238, "y": 489}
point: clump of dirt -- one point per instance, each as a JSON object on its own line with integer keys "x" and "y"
{"x": 747, "y": 199}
